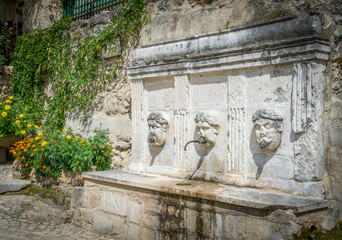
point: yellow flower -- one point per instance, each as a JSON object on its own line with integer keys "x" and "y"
{"x": 40, "y": 134}
{"x": 36, "y": 138}
{"x": 44, "y": 143}
{"x": 4, "y": 114}
{"x": 11, "y": 97}
{"x": 21, "y": 115}
{"x": 17, "y": 122}
{"x": 8, "y": 101}
{"x": 64, "y": 130}
{"x": 68, "y": 137}
{"x": 29, "y": 125}
{"x": 23, "y": 132}
{"x": 25, "y": 109}
{"x": 7, "y": 107}
{"x": 36, "y": 126}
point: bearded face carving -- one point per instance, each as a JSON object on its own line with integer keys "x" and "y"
{"x": 268, "y": 128}
{"x": 207, "y": 126}
{"x": 158, "y": 128}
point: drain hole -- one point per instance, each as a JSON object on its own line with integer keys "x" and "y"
{"x": 183, "y": 184}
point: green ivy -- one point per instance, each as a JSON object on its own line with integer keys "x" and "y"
{"x": 76, "y": 76}
{"x": 7, "y": 41}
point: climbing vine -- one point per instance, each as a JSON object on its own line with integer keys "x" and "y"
{"x": 76, "y": 76}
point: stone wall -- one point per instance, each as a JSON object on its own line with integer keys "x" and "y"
{"x": 138, "y": 213}
{"x": 41, "y": 14}
{"x": 5, "y": 84}
{"x": 111, "y": 108}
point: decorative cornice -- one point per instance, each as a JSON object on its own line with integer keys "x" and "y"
{"x": 284, "y": 40}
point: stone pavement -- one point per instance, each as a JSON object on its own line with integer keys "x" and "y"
{"x": 27, "y": 217}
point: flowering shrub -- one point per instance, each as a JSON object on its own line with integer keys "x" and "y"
{"x": 13, "y": 119}
{"x": 50, "y": 153}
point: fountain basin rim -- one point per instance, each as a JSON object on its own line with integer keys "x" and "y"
{"x": 262, "y": 199}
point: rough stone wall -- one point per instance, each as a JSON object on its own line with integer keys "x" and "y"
{"x": 5, "y": 84}
{"x": 41, "y": 14}
{"x": 111, "y": 108}
{"x": 127, "y": 213}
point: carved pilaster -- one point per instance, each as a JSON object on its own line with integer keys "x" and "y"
{"x": 236, "y": 123}
{"x": 180, "y": 113}
{"x": 137, "y": 125}
{"x": 301, "y": 96}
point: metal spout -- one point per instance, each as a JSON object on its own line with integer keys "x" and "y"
{"x": 200, "y": 141}
{"x": 152, "y": 139}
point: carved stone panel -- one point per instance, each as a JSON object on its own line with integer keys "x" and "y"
{"x": 302, "y": 96}
{"x": 237, "y": 95}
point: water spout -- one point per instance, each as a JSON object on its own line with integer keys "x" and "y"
{"x": 152, "y": 139}
{"x": 200, "y": 141}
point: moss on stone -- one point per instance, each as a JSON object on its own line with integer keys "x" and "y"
{"x": 314, "y": 232}
{"x": 56, "y": 195}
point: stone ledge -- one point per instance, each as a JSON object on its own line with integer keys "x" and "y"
{"x": 241, "y": 196}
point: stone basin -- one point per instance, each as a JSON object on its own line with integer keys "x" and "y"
{"x": 241, "y": 196}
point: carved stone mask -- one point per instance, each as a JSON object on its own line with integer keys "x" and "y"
{"x": 268, "y": 129}
{"x": 158, "y": 128}
{"x": 207, "y": 127}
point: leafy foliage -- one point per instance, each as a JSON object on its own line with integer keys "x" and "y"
{"x": 7, "y": 39}
{"x": 76, "y": 76}
{"x": 50, "y": 153}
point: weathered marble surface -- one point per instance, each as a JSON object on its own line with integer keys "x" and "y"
{"x": 276, "y": 65}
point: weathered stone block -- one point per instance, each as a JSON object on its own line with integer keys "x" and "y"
{"x": 134, "y": 211}
{"x": 77, "y": 197}
{"x": 108, "y": 224}
{"x": 191, "y": 220}
{"x": 133, "y": 232}
{"x": 252, "y": 228}
{"x": 307, "y": 150}
{"x": 151, "y": 220}
{"x": 113, "y": 202}
{"x": 231, "y": 226}
{"x": 147, "y": 233}
{"x": 151, "y": 205}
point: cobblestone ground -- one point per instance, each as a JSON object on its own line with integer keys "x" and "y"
{"x": 20, "y": 228}
{"x": 20, "y": 215}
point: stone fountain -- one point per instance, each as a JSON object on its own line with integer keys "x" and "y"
{"x": 227, "y": 140}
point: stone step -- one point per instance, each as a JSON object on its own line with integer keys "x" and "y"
{"x": 13, "y": 185}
